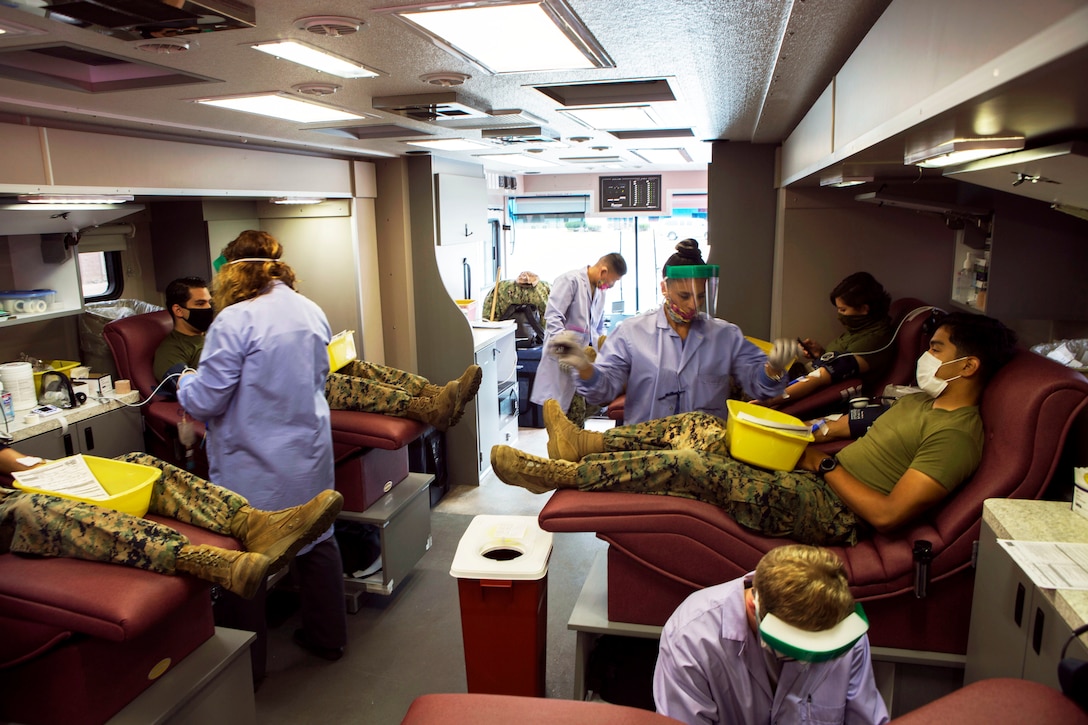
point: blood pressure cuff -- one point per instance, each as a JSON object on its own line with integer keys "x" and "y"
{"x": 861, "y": 419}
{"x": 840, "y": 367}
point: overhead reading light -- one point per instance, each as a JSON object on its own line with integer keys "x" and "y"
{"x": 841, "y": 180}
{"x": 516, "y": 160}
{"x": 450, "y": 144}
{"x": 613, "y": 117}
{"x": 962, "y": 150}
{"x": 74, "y": 198}
{"x": 508, "y": 36}
{"x": 300, "y": 200}
{"x": 312, "y": 57}
{"x": 664, "y": 156}
{"x": 284, "y": 107}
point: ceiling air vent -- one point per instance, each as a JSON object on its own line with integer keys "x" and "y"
{"x": 165, "y": 46}
{"x": 329, "y": 26}
{"x": 316, "y": 89}
{"x": 520, "y": 135}
{"x": 428, "y": 107}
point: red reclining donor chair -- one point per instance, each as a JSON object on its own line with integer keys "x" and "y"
{"x": 662, "y": 548}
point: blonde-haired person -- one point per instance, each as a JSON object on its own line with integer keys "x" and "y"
{"x": 781, "y": 644}
{"x": 260, "y": 389}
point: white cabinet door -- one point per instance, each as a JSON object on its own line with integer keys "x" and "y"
{"x": 487, "y": 406}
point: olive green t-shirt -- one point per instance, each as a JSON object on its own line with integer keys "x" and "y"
{"x": 943, "y": 444}
{"x": 872, "y": 337}
{"x": 177, "y": 348}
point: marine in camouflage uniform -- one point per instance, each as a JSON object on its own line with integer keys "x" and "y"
{"x": 510, "y": 292}
{"x": 43, "y": 525}
{"x": 371, "y": 388}
{"x": 687, "y": 455}
{"x": 361, "y": 385}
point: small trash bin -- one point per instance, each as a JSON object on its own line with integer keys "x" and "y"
{"x": 96, "y": 315}
{"x": 501, "y": 566}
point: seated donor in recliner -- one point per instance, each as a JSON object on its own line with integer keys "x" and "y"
{"x": 864, "y": 350}
{"x": 49, "y": 526}
{"x": 912, "y": 456}
{"x": 359, "y": 385}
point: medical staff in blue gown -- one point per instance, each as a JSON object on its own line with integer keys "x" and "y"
{"x": 786, "y": 644}
{"x": 575, "y": 304}
{"x": 260, "y": 390}
{"x": 676, "y": 358}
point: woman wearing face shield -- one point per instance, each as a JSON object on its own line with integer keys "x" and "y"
{"x": 678, "y": 357}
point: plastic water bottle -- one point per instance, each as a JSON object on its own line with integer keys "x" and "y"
{"x": 7, "y": 405}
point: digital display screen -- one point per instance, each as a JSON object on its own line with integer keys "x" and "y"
{"x": 630, "y": 193}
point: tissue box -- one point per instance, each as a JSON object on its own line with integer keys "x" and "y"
{"x": 1080, "y": 491}
{"x": 99, "y": 385}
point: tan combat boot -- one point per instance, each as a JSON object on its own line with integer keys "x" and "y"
{"x": 532, "y": 473}
{"x": 280, "y": 535}
{"x": 469, "y": 384}
{"x": 566, "y": 441}
{"x": 239, "y": 572}
{"x": 437, "y": 410}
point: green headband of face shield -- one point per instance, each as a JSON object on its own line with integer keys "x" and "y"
{"x": 821, "y": 646}
{"x": 220, "y": 261}
{"x": 692, "y": 271}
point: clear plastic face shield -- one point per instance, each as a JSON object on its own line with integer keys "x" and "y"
{"x": 804, "y": 646}
{"x": 691, "y": 291}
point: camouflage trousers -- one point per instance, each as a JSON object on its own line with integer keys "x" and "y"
{"x": 42, "y": 525}
{"x": 578, "y": 410}
{"x": 687, "y": 455}
{"x": 372, "y": 388}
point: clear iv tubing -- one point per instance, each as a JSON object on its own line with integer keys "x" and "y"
{"x": 153, "y": 392}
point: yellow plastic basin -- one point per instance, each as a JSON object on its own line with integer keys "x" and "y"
{"x": 754, "y": 440}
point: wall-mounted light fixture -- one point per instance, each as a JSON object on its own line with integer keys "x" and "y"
{"x": 300, "y": 200}
{"x": 75, "y": 198}
{"x": 839, "y": 179}
{"x": 962, "y": 150}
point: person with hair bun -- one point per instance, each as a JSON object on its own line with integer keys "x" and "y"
{"x": 260, "y": 390}
{"x": 679, "y": 357}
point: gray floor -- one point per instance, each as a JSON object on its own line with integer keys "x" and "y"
{"x": 409, "y": 643}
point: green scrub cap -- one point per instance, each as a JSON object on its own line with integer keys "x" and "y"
{"x": 691, "y": 271}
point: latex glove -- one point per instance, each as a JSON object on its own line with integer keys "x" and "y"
{"x": 566, "y": 347}
{"x": 783, "y": 353}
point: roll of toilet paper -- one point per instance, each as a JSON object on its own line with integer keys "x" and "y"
{"x": 18, "y": 379}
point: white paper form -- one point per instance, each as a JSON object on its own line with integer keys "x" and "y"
{"x": 67, "y": 477}
{"x": 1051, "y": 565}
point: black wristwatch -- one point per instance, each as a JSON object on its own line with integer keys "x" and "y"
{"x": 827, "y": 465}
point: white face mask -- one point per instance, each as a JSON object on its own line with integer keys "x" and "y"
{"x": 926, "y": 372}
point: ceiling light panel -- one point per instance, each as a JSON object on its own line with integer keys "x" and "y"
{"x": 530, "y": 162}
{"x": 450, "y": 144}
{"x": 283, "y": 107}
{"x": 508, "y": 36}
{"x": 664, "y": 156}
{"x": 614, "y": 117}
{"x": 311, "y": 57}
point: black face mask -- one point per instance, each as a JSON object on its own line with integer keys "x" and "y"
{"x": 200, "y": 317}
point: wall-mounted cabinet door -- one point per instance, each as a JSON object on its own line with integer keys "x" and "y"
{"x": 462, "y": 209}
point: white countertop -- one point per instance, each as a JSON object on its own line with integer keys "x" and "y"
{"x": 495, "y": 331}
{"x": 1026, "y": 520}
{"x": 21, "y": 431}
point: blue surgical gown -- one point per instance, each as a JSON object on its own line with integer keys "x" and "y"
{"x": 260, "y": 390}
{"x": 664, "y": 375}
{"x": 711, "y": 668}
{"x": 573, "y": 306}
